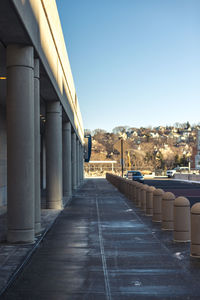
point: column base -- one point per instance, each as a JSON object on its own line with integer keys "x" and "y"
{"x": 21, "y": 236}
{"x": 181, "y": 236}
{"x": 167, "y": 225}
{"x": 55, "y": 205}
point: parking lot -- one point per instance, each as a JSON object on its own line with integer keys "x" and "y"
{"x": 178, "y": 188}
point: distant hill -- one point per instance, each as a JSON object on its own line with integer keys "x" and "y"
{"x": 149, "y": 148}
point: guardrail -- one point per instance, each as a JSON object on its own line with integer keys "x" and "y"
{"x": 172, "y": 213}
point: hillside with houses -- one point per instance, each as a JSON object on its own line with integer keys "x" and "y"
{"x": 152, "y": 149}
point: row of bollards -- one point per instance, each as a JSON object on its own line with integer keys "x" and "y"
{"x": 173, "y": 213}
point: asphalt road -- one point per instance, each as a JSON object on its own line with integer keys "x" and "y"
{"x": 178, "y": 188}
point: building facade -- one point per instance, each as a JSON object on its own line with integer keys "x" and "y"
{"x": 41, "y": 130}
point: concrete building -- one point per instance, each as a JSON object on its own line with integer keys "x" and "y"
{"x": 41, "y": 131}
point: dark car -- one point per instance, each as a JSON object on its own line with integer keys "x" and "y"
{"x": 135, "y": 175}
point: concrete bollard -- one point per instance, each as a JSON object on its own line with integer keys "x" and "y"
{"x": 134, "y": 183}
{"x": 126, "y": 188}
{"x": 181, "y": 231}
{"x": 157, "y": 205}
{"x": 120, "y": 185}
{"x": 149, "y": 201}
{"x": 195, "y": 232}
{"x": 143, "y": 196}
{"x": 132, "y": 191}
{"x": 138, "y": 194}
{"x": 168, "y": 211}
{"x": 123, "y": 186}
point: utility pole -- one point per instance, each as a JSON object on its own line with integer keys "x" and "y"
{"x": 122, "y": 156}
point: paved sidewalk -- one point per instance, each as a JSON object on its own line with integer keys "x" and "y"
{"x": 12, "y": 257}
{"x": 102, "y": 247}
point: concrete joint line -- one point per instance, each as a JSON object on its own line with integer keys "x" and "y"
{"x": 168, "y": 200}
{"x": 66, "y": 129}
{"x": 21, "y": 229}
{"x": 105, "y": 270}
{"x": 181, "y": 230}
{"x": 20, "y": 66}
{"x": 53, "y": 112}
{"x": 181, "y": 206}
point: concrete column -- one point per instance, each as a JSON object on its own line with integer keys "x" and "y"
{"x": 54, "y": 190}
{"x": 20, "y": 146}
{"x": 81, "y": 163}
{"x": 74, "y": 168}
{"x": 67, "y": 168}
{"x": 37, "y": 146}
{"x": 78, "y": 163}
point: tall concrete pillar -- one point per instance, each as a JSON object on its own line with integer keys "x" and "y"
{"x": 79, "y": 150}
{"x": 54, "y": 190}
{"x": 20, "y": 143}
{"x": 67, "y": 165}
{"x": 83, "y": 160}
{"x": 81, "y": 163}
{"x": 37, "y": 146}
{"x": 78, "y": 163}
{"x": 74, "y": 162}
{"x": 43, "y": 163}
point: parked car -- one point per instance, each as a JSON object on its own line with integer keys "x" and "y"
{"x": 171, "y": 173}
{"x": 135, "y": 175}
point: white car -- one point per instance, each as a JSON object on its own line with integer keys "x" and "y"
{"x": 170, "y": 173}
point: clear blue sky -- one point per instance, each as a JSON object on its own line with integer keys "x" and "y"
{"x": 134, "y": 62}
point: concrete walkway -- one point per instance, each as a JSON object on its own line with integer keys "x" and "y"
{"x": 13, "y": 257}
{"x": 102, "y": 247}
